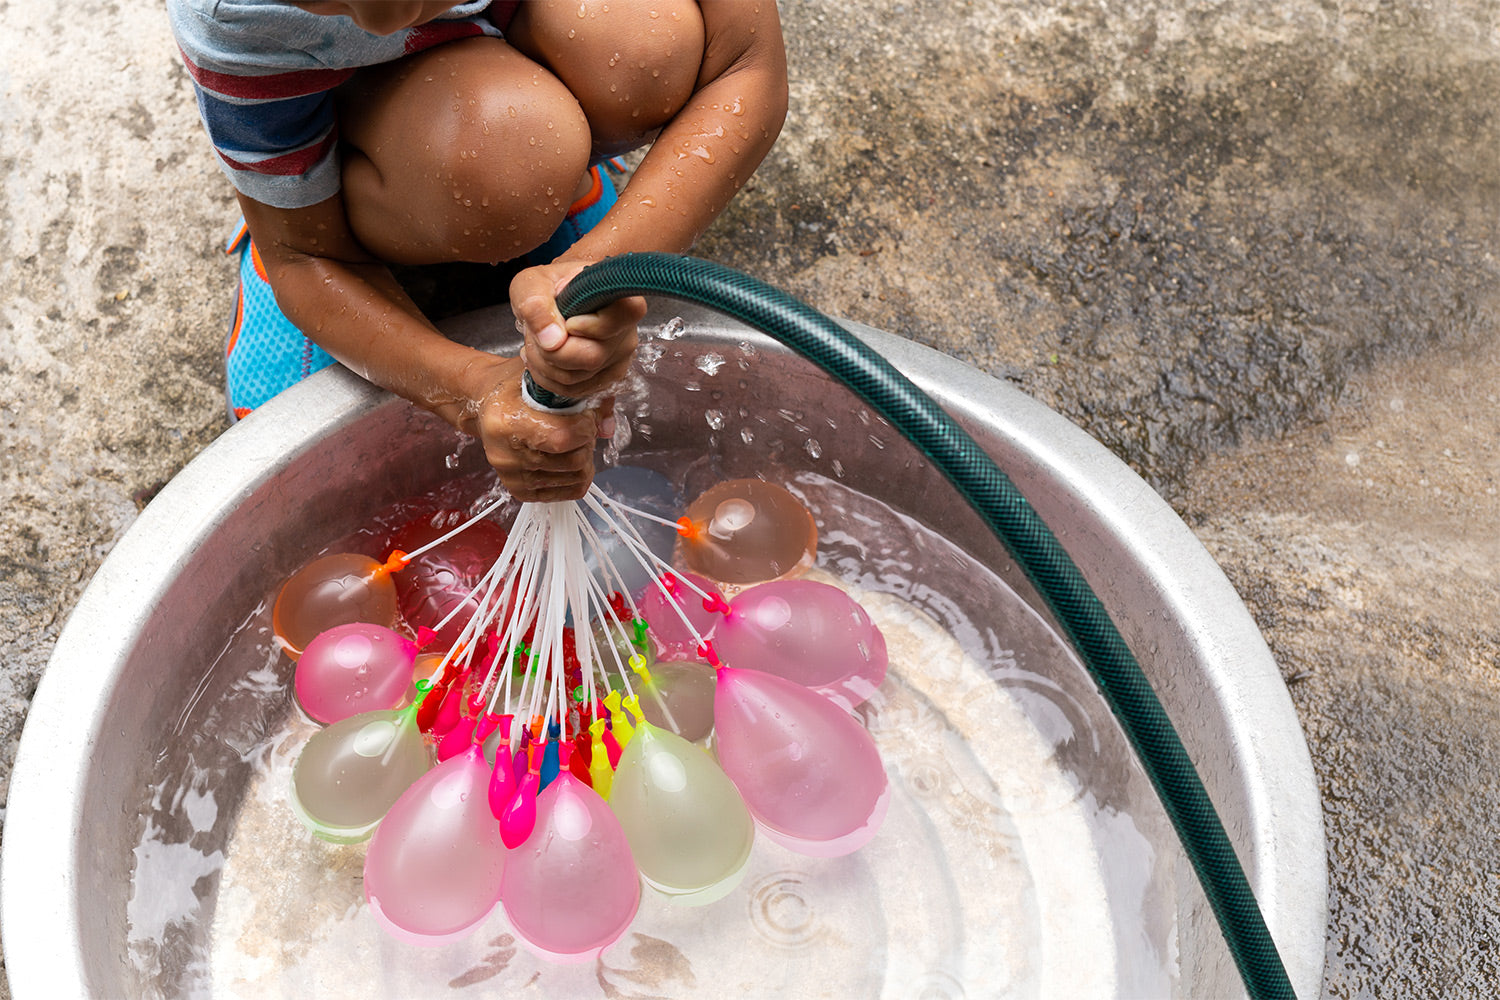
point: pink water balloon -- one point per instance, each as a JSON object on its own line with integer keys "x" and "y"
{"x": 747, "y": 531}
{"x": 348, "y": 775}
{"x": 809, "y": 632}
{"x": 571, "y": 889}
{"x": 433, "y": 868}
{"x": 808, "y": 771}
{"x": 354, "y": 668}
{"x": 335, "y": 590}
{"x": 665, "y": 606}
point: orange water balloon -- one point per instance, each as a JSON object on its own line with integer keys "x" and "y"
{"x": 747, "y": 531}
{"x": 335, "y": 590}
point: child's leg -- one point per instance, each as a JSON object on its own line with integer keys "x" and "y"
{"x": 630, "y": 64}
{"x": 465, "y": 152}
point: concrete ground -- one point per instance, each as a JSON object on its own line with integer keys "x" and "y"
{"x": 1249, "y": 246}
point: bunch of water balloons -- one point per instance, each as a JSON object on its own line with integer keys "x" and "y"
{"x": 592, "y": 717}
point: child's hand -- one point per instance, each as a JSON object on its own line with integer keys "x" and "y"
{"x": 538, "y": 456}
{"x": 584, "y": 354}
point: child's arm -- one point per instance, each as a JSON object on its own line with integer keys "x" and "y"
{"x": 702, "y": 157}
{"x": 353, "y": 308}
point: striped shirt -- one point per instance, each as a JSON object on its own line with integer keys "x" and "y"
{"x": 264, "y": 72}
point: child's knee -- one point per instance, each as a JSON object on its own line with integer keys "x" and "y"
{"x": 512, "y": 169}
{"x": 631, "y": 65}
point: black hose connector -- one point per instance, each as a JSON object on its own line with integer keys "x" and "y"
{"x": 1008, "y": 514}
{"x": 545, "y": 398}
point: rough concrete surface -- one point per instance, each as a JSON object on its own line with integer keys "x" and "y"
{"x": 1249, "y": 246}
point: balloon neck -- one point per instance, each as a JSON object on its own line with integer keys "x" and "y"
{"x": 486, "y": 726}
{"x": 690, "y": 530}
{"x": 633, "y": 706}
{"x": 395, "y": 563}
{"x": 639, "y": 639}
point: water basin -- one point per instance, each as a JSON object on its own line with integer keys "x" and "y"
{"x": 149, "y": 850}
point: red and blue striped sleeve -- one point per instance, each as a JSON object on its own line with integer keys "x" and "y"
{"x": 264, "y": 72}
{"x": 275, "y": 133}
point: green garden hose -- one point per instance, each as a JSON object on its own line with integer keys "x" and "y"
{"x": 1008, "y": 514}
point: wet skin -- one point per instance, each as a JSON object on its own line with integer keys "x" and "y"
{"x": 473, "y": 151}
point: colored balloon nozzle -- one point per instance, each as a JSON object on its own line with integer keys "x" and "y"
{"x": 394, "y": 563}
{"x": 633, "y": 705}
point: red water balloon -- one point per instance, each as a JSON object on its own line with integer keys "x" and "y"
{"x": 439, "y": 580}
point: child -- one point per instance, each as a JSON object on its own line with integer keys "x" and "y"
{"x": 369, "y": 133}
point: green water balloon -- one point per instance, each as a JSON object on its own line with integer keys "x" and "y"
{"x": 688, "y": 829}
{"x": 349, "y": 774}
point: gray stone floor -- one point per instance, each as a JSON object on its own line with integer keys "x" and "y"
{"x": 1249, "y": 246}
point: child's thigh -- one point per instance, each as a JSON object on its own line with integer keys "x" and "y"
{"x": 631, "y": 64}
{"x": 449, "y": 153}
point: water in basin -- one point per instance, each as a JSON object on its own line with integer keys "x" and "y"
{"x": 1004, "y": 867}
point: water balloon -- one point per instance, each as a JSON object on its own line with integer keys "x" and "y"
{"x": 348, "y": 775}
{"x": 680, "y": 698}
{"x": 688, "y": 829}
{"x": 353, "y": 668}
{"x": 647, "y": 491}
{"x": 438, "y": 581}
{"x": 747, "y": 531}
{"x": 571, "y": 888}
{"x": 432, "y": 871}
{"x": 665, "y": 607}
{"x": 809, "y": 632}
{"x": 335, "y": 590}
{"x": 808, "y": 771}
